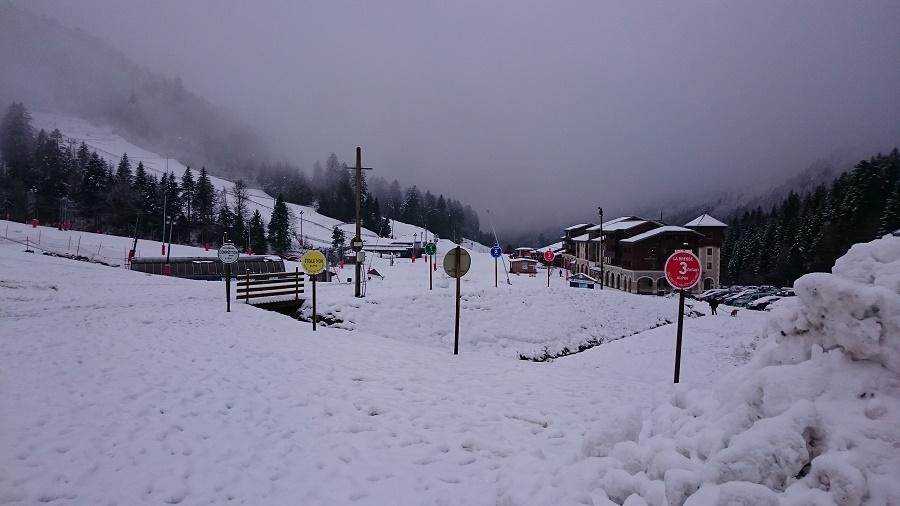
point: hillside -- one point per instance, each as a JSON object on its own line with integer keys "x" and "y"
{"x": 55, "y": 68}
{"x": 316, "y": 228}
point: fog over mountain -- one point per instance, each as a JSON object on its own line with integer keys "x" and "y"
{"x": 538, "y": 111}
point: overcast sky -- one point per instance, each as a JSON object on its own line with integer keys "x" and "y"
{"x": 538, "y": 110}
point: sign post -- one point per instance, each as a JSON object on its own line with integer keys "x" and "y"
{"x": 496, "y": 252}
{"x": 313, "y": 263}
{"x": 456, "y": 263}
{"x": 682, "y": 272}
{"x": 430, "y": 250}
{"x": 549, "y": 256}
{"x": 228, "y": 254}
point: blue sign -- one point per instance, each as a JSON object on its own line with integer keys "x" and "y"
{"x": 496, "y": 252}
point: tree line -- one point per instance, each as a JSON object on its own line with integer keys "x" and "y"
{"x": 807, "y": 233}
{"x": 332, "y": 188}
{"x": 44, "y": 176}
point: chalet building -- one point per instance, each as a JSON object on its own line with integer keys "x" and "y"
{"x": 557, "y": 249}
{"x": 568, "y": 257}
{"x": 523, "y": 252}
{"x": 523, "y": 266}
{"x": 635, "y": 250}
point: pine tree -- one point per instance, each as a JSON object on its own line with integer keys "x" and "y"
{"x": 890, "y": 217}
{"x": 188, "y": 188}
{"x": 338, "y": 244}
{"x": 225, "y": 219}
{"x": 239, "y": 212}
{"x": 411, "y": 210}
{"x": 204, "y": 204}
{"x": 257, "y": 230}
{"x": 16, "y": 141}
{"x": 123, "y": 172}
{"x": 280, "y": 227}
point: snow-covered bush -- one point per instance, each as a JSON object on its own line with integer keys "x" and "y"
{"x": 813, "y": 419}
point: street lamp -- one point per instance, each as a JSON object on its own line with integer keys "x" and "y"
{"x": 301, "y": 229}
{"x": 602, "y": 273}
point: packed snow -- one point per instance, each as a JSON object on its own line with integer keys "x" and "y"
{"x": 121, "y": 387}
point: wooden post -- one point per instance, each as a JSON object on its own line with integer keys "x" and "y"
{"x": 456, "y": 326}
{"x": 314, "y": 317}
{"x": 678, "y": 339}
{"x": 227, "y": 288}
{"x": 247, "y": 288}
{"x": 358, "y": 289}
{"x": 296, "y": 284}
{"x": 78, "y": 247}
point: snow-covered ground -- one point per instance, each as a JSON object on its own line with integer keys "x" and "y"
{"x": 124, "y": 388}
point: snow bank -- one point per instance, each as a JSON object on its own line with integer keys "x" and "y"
{"x": 811, "y": 420}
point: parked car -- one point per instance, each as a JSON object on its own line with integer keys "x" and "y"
{"x": 729, "y": 299}
{"x": 748, "y": 298}
{"x": 786, "y": 292}
{"x": 711, "y": 293}
{"x": 762, "y": 303}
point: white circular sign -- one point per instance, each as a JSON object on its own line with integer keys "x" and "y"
{"x": 228, "y": 254}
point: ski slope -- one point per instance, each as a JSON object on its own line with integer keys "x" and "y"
{"x": 317, "y": 228}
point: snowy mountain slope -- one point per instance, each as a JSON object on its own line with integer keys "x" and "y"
{"x": 317, "y": 228}
{"x": 118, "y": 387}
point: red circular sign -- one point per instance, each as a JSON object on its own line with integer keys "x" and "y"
{"x": 549, "y": 256}
{"x": 683, "y": 270}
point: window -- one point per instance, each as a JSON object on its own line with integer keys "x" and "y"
{"x": 709, "y": 266}
{"x": 709, "y": 251}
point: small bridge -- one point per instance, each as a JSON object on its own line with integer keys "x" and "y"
{"x": 277, "y": 291}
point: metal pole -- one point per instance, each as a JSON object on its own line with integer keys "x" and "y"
{"x": 314, "y": 317}
{"x": 548, "y": 276}
{"x": 678, "y": 339}
{"x": 456, "y": 326}
{"x": 430, "y": 268}
{"x": 495, "y": 272}
{"x": 602, "y": 272}
{"x": 169, "y": 248}
{"x": 163, "y": 237}
{"x": 227, "y": 288}
{"x": 358, "y": 220}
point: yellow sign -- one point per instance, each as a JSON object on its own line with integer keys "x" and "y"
{"x": 313, "y": 261}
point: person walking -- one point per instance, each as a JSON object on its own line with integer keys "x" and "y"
{"x": 713, "y": 304}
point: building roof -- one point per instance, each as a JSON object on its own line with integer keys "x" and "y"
{"x": 552, "y": 247}
{"x": 582, "y": 277}
{"x": 619, "y": 225}
{"x": 657, "y": 231}
{"x": 522, "y": 260}
{"x": 705, "y": 220}
{"x": 573, "y": 227}
{"x": 582, "y": 238}
{"x": 523, "y": 248}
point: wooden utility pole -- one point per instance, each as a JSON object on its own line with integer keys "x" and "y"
{"x": 358, "y": 238}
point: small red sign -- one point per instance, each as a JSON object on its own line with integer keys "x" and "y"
{"x": 549, "y": 256}
{"x": 683, "y": 270}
